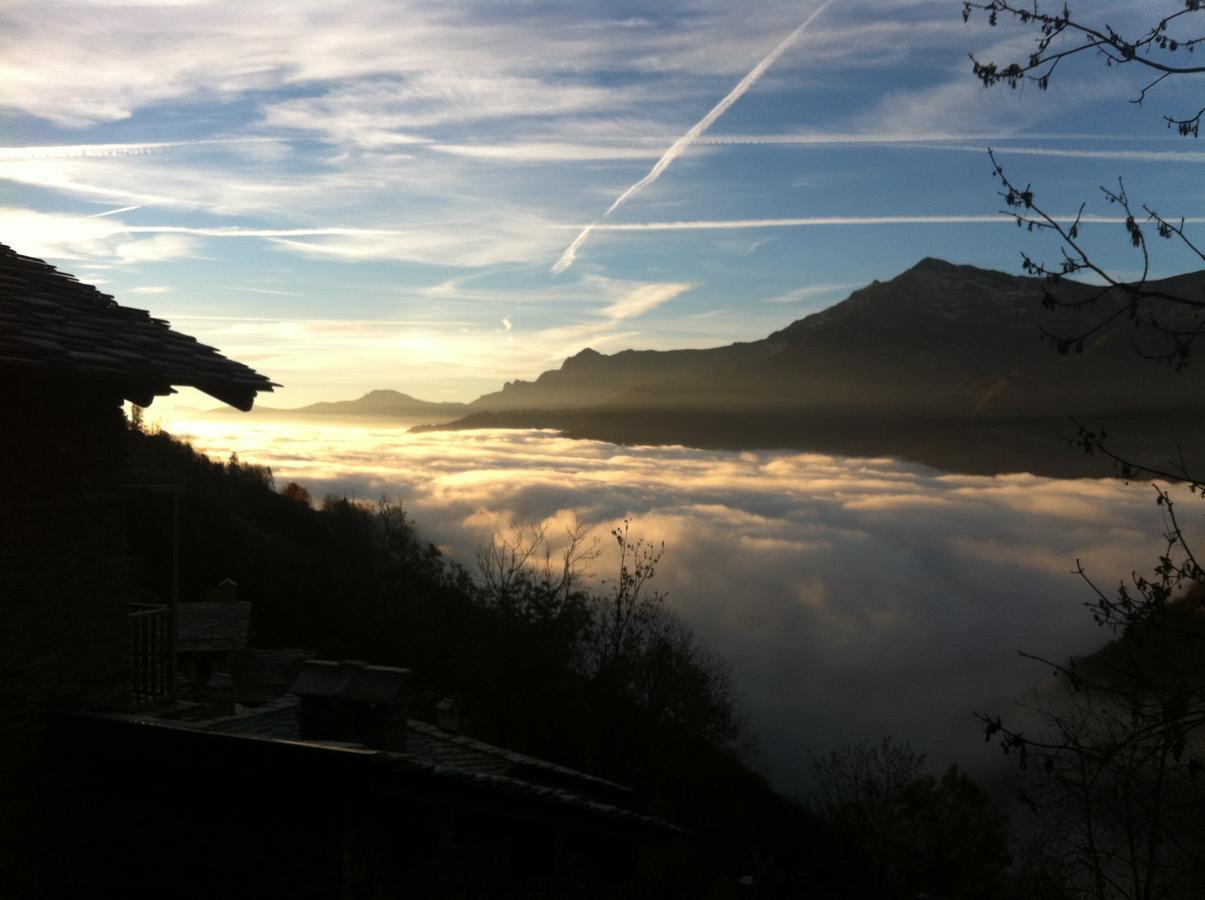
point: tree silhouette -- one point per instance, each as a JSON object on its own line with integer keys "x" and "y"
{"x": 896, "y": 831}
{"x": 1114, "y": 769}
{"x": 1160, "y": 50}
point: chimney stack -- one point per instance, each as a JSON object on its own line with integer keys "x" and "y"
{"x": 447, "y": 715}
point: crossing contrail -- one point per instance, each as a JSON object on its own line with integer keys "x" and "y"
{"x": 679, "y": 146}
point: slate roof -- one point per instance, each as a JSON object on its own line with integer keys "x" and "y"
{"x": 457, "y": 758}
{"x": 351, "y": 681}
{"x": 212, "y": 625}
{"x": 331, "y": 758}
{"x": 264, "y": 675}
{"x": 461, "y": 751}
{"x": 54, "y": 326}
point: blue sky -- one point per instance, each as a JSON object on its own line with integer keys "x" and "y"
{"x": 376, "y": 194}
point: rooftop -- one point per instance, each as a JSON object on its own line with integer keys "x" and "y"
{"x": 53, "y": 326}
{"x": 431, "y": 753}
{"x": 213, "y": 625}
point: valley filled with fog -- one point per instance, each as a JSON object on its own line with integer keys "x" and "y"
{"x": 853, "y": 598}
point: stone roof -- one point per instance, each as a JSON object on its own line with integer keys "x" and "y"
{"x": 264, "y": 675}
{"x": 458, "y": 750}
{"x": 457, "y": 758}
{"x": 269, "y": 735}
{"x": 213, "y": 625}
{"x": 53, "y": 326}
{"x": 351, "y": 681}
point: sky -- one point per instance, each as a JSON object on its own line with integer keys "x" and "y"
{"x": 440, "y": 197}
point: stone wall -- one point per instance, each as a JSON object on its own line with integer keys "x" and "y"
{"x": 63, "y": 594}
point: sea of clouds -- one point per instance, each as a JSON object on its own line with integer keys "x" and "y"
{"x": 853, "y": 598}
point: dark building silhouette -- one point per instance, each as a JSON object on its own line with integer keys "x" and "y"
{"x": 69, "y": 357}
{"x": 333, "y": 791}
{"x": 113, "y": 781}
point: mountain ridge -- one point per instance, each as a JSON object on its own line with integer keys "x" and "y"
{"x": 937, "y": 364}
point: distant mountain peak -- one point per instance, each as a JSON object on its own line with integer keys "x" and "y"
{"x": 582, "y": 358}
{"x": 933, "y": 264}
{"x": 385, "y": 394}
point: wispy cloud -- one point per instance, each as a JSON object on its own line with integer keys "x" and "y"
{"x": 682, "y": 143}
{"x": 545, "y": 151}
{"x": 909, "y": 138}
{"x": 272, "y": 292}
{"x": 396, "y": 111}
{"x": 1119, "y": 155}
{"x": 639, "y": 300}
{"x": 813, "y": 221}
{"x": 812, "y": 290}
{"x": 57, "y": 236}
{"x": 160, "y": 248}
{"x": 101, "y": 151}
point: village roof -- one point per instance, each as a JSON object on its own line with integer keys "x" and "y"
{"x": 213, "y": 625}
{"x": 351, "y": 681}
{"x": 272, "y": 731}
{"x": 55, "y": 327}
{"x": 263, "y": 675}
{"x": 453, "y": 757}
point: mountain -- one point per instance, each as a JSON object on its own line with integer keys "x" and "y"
{"x": 943, "y": 364}
{"x": 382, "y": 404}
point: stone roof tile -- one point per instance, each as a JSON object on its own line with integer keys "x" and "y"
{"x": 49, "y": 320}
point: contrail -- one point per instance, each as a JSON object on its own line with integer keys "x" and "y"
{"x": 70, "y": 151}
{"x": 679, "y": 146}
{"x": 112, "y": 212}
{"x": 745, "y": 224}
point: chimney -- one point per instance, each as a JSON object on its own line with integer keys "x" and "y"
{"x": 354, "y": 702}
{"x": 219, "y": 695}
{"x": 447, "y": 715}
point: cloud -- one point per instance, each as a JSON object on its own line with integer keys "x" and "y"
{"x": 545, "y": 151}
{"x": 814, "y": 221}
{"x": 1119, "y": 155}
{"x": 853, "y": 597}
{"x": 376, "y": 113}
{"x": 57, "y": 236}
{"x": 101, "y": 151}
{"x": 473, "y": 243}
{"x": 810, "y": 291}
{"x": 904, "y": 139}
{"x": 682, "y": 143}
{"x": 960, "y": 104}
{"x": 642, "y": 299}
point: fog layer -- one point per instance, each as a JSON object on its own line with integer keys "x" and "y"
{"x": 852, "y": 597}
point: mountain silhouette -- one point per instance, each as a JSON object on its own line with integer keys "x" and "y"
{"x": 944, "y": 364}
{"x": 380, "y": 404}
